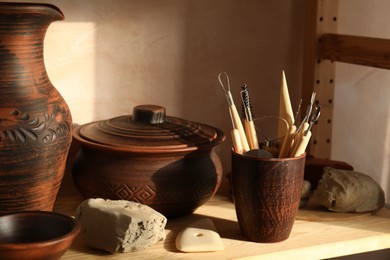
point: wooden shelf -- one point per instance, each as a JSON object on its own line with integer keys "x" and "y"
{"x": 308, "y": 240}
{"x": 323, "y": 46}
{"x": 367, "y": 51}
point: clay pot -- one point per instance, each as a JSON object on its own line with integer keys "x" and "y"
{"x": 35, "y": 122}
{"x": 157, "y": 160}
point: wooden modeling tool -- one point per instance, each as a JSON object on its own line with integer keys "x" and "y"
{"x": 303, "y": 141}
{"x": 249, "y": 125}
{"x": 301, "y": 145}
{"x": 304, "y": 124}
{"x": 286, "y": 112}
{"x": 234, "y": 116}
{"x": 298, "y": 137}
{"x": 288, "y": 142}
{"x": 285, "y": 108}
{"x": 309, "y": 109}
{"x": 237, "y": 145}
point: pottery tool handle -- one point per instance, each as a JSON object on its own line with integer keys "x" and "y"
{"x": 249, "y": 125}
{"x": 298, "y": 137}
{"x": 236, "y": 121}
{"x": 238, "y": 125}
{"x": 251, "y": 134}
{"x": 305, "y": 130}
{"x": 237, "y": 145}
{"x": 301, "y": 148}
{"x": 288, "y": 142}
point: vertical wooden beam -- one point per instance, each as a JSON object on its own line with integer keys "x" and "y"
{"x": 318, "y": 74}
{"x": 309, "y": 51}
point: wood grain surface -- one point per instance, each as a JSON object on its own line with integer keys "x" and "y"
{"x": 308, "y": 240}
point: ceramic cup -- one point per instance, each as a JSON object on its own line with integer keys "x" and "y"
{"x": 266, "y": 195}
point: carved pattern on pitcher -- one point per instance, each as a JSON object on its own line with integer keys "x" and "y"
{"x": 21, "y": 127}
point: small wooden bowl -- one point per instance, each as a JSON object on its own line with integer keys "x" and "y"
{"x": 36, "y": 235}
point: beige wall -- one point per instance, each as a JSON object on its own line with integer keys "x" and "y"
{"x": 361, "y": 133}
{"x": 108, "y": 56}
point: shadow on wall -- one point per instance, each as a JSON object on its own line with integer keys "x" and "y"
{"x": 170, "y": 53}
{"x": 253, "y": 41}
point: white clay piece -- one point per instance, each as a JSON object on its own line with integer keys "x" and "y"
{"x": 200, "y": 236}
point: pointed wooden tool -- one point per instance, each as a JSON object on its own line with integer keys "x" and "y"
{"x": 200, "y": 236}
{"x": 285, "y": 112}
{"x": 285, "y": 108}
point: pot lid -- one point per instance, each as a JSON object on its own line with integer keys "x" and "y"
{"x": 149, "y": 129}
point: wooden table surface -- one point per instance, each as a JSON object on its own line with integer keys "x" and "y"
{"x": 308, "y": 240}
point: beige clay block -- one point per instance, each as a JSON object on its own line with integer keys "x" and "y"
{"x": 200, "y": 236}
{"x": 118, "y": 226}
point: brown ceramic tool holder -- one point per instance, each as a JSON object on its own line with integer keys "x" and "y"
{"x": 266, "y": 194}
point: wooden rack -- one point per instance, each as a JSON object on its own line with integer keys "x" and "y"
{"x": 322, "y": 47}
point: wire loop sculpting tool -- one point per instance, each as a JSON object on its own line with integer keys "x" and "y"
{"x": 240, "y": 141}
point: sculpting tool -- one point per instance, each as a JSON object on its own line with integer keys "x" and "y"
{"x": 249, "y": 125}
{"x": 304, "y": 124}
{"x": 285, "y": 108}
{"x": 238, "y": 133}
{"x": 301, "y": 145}
{"x": 289, "y": 139}
{"x": 288, "y": 142}
{"x": 309, "y": 109}
{"x": 237, "y": 145}
{"x": 298, "y": 110}
{"x": 305, "y": 138}
{"x": 314, "y": 118}
{"x": 286, "y": 112}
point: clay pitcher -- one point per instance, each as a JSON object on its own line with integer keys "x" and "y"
{"x": 35, "y": 121}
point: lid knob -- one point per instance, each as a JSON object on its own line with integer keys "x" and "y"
{"x": 149, "y": 114}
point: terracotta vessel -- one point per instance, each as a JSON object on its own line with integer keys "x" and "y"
{"x": 35, "y": 122}
{"x": 151, "y": 158}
